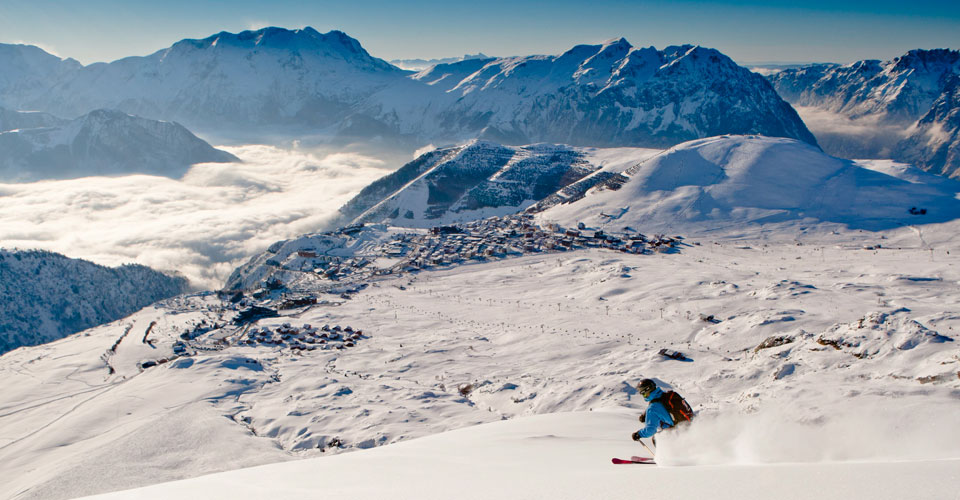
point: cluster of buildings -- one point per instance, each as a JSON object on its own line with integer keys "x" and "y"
{"x": 303, "y": 338}
{"x": 403, "y": 252}
{"x": 498, "y": 237}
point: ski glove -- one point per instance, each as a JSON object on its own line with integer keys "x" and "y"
{"x": 636, "y": 436}
{"x": 643, "y": 418}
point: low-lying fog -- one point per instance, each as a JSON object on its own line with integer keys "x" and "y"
{"x": 202, "y": 225}
{"x": 841, "y": 136}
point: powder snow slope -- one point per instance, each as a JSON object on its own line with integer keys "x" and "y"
{"x": 867, "y": 341}
{"x": 559, "y": 456}
{"x": 102, "y": 142}
{"x": 741, "y": 182}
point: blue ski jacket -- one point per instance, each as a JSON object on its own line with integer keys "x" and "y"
{"x": 657, "y": 416}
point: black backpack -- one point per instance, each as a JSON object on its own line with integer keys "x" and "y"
{"x": 676, "y": 406}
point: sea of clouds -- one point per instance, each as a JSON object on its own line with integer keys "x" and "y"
{"x": 842, "y": 136}
{"x": 203, "y": 225}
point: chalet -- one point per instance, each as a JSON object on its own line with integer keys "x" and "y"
{"x": 438, "y": 230}
{"x": 352, "y": 229}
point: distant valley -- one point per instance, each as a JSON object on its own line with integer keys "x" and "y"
{"x": 907, "y": 109}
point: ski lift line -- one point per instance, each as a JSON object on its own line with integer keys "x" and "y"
{"x": 449, "y": 157}
{"x": 108, "y": 388}
{"x": 37, "y": 404}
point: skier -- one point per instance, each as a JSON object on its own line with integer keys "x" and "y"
{"x": 665, "y": 410}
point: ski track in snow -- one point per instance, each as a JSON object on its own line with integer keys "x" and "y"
{"x": 533, "y": 335}
{"x": 830, "y": 349}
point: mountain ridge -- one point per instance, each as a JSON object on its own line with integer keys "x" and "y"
{"x": 897, "y": 109}
{"x": 327, "y": 85}
{"x": 605, "y": 95}
{"x": 472, "y": 181}
{"x": 48, "y": 296}
{"x": 101, "y": 142}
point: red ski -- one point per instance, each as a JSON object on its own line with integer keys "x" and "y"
{"x": 634, "y": 460}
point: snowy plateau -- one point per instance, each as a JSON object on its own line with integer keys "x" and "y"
{"x": 497, "y": 358}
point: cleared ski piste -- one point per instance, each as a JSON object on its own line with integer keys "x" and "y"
{"x": 556, "y": 456}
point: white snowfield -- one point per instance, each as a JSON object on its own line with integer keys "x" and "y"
{"x": 748, "y": 183}
{"x": 534, "y": 335}
{"x": 824, "y": 362}
{"x": 555, "y": 456}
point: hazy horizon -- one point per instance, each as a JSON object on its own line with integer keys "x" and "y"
{"x": 750, "y": 32}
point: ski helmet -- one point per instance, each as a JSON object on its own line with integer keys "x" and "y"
{"x": 646, "y": 386}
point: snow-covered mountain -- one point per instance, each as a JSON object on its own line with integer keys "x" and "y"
{"x": 934, "y": 140}
{"x": 247, "y": 80}
{"x": 27, "y": 72}
{"x": 304, "y": 83}
{"x": 751, "y": 181}
{"x": 473, "y": 181}
{"x": 422, "y": 64}
{"x": 896, "y": 109}
{"x": 612, "y": 94}
{"x": 47, "y": 296}
{"x": 726, "y": 180}
{"x": 901, "y": 90}
{"x": 13, "y": 120}
{"x": 102, "y": 142}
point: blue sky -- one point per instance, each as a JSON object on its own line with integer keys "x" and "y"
{"x": 747, "y": 30}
